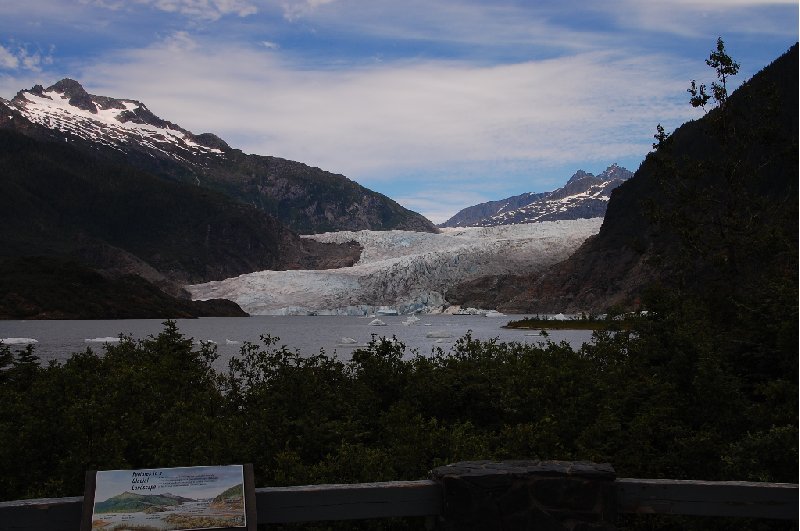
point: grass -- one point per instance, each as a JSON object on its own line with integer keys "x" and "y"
{"x": 578, "y": 323}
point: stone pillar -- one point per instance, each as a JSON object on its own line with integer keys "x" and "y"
{"x": 527, "y": 495}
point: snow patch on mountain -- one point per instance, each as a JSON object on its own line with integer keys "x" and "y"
{"x": 584, "y": 196}
{"x": 108, "y": 121}
{"x": 401, "y": 270}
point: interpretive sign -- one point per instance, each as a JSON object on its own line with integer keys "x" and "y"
{"x": 158, "y": 499}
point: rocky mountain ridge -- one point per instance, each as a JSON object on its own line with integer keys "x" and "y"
{"x": 584, "y": 196}
{"x": 125, "y": 131}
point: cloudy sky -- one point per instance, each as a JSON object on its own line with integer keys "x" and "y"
{"x": 439, "y": 104}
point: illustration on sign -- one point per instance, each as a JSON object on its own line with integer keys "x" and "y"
{"x": 202, "y": 497}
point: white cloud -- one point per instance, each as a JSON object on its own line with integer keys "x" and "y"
{"x": 209, "y": 10}
{"x": 460, "y": 22}
{"x": 179, "y": 42}
{"x": 108, "y": 4}
{"x": 296, "y": 9}
{"x": 8, "y": 59}
{"x": 241, "y": 8}
{"x": 409, "y": 115}
{"x": 702, "y": 18}
{"x": 23, "y": 58}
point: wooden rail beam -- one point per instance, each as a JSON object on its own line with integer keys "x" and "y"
{"x": 424, "y": 498}
{"x": 274, "y": 504}
{"x": 707, "y": 498}
{"x": 51, "y": 514}
{"x": 349, "y": 501}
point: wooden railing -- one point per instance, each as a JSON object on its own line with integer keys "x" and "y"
{"x": 425, "y": 498}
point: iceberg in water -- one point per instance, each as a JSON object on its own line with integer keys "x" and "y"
{"x": 347, "y": 342}
{"x": 377, "y": 322}
{"x": 18, "y": 341}
{"x": 103, "y": 340}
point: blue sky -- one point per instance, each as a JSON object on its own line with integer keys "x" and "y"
{"x": 439, "y": 104}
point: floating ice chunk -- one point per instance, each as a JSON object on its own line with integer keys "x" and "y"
{"x": 205, "y": 342}
{"x": 347, "y": 341}
{"x": 18, "y": 340}
{"x": 103, "y": 340}
{"x": 440, "y": 334}
{"x": 377, "y": 322}
{"x": 231, "y": 342}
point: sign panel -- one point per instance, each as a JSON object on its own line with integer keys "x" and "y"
{"x": 159, "y": 499}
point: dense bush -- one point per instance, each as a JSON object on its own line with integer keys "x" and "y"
{"x": 655, "y": 401}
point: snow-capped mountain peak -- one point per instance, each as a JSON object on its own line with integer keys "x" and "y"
{"x": 584, "y": 196}
{"x": 615, "y": 171}
{"x": 579, "y": 175}
{"x": 121, "y": 124}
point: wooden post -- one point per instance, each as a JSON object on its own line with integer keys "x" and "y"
{"x": 57, "y": 514}
{"x": 527, "y": 495}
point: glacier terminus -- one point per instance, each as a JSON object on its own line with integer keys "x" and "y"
{"x": 403, "y": 271}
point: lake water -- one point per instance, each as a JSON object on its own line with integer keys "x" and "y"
{"x": 341, "y": 334}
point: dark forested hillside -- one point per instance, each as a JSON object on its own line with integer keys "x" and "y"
{"x": 56, "y": 201}
{"x": 702, "y": 213}
{"x": 50, "y": 287}
{"x": 308, "y": 199}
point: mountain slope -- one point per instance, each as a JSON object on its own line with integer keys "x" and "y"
{"x": 306, "y": 199}
{"x": 56, "y": 200}
{"x": 471, "y": 216}
{"x": 129, "y": 502}
{"x": 584, "y": 196}
{"x": 124, "y": 240}
{"x": 58, "y": 288}
{"x": 713, "y": 210}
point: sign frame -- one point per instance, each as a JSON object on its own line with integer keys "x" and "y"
{"x": 250, "y": 510}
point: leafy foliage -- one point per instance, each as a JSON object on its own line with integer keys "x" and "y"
{"x": 656, "y": 401}
{"x": 725, "y": 67}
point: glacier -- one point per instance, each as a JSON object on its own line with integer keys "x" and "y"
{"x": 402, "y": 271}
